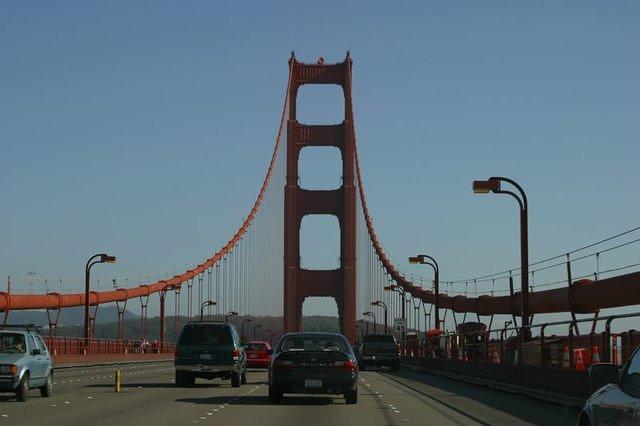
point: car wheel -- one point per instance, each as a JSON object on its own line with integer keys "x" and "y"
{"x": 22, "y": 392}
{"x": 236, "y": 380}
{"x": 351, "y": 396}
{"x": 274, "y": 395}
{"x": 191, "y": 379}
{"x": 243, "y": 378}
{"x": 47, "y": 389}
{"x": 181, "y": 379}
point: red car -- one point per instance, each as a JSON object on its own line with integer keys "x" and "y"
{"x": 257, "y": 355}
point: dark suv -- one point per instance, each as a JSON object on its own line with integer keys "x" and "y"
{"x": 208, "y": 350}
{"x": 379, "y": 350}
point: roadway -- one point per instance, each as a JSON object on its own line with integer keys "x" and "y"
{"x": 85, "y": 396}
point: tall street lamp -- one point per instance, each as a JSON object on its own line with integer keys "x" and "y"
{"x": 423, "y": 259}
{"x": 384, "y": 305}
{"x": 375, "y": 324}
{"x": 98, "y": 258}
{"x": 493, "y": 185}
{"x": 229, "y": 315}
{"x": 244, "y": 321}
{"x": 204, "y": 305}
{"x": 399, "y": 290}
{"x": 255, "y": 328}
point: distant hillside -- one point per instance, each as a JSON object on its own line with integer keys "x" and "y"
{"x": 132, "y": 327}
{"x": 68, "y": 316}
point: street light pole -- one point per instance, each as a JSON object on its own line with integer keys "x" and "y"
{"x": 375, "y": 324}
{"x": 384, "y": 305}
{"x": 98, "y": 258}
{"x": 436, "y": 281}
{"x": 255, "y": 328}
{"x": 244, "y": 321}
{"x": 204, "y": 305}
{"x": 493, "y": 185}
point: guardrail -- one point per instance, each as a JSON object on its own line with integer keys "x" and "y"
{"x": 65, "y": 346}
{"x": 572, "y": 351}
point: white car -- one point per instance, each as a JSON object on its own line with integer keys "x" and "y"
{"x": 618, "y": 402}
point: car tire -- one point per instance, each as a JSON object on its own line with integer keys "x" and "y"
{"x": 236, "y": 380}
{"x": 274, "y": 395}
{"x": 22, "y": 391}
{"x": 181, "y": 379}
{"x": 351, "y": 396}
{"x": 47, "y": 389}
{"x": 243, "y": 377}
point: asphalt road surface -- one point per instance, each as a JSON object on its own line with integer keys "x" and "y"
{"x": 85, "y": 396}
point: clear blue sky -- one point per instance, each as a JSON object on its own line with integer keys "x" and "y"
{"x": 144, "y": 128}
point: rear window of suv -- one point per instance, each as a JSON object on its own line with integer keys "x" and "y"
{"x": 379, "y": 338}
{"x": 205, "y": 334}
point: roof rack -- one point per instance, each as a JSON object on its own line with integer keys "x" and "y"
{"x": 28, "y": 327}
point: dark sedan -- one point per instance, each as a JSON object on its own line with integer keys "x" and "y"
{"x": 313, "y": 363}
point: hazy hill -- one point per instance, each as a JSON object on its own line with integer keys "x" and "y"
{"x": 133, "y": 326}
{"x": 68, "y": 316}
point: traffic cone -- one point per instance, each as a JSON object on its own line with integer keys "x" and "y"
{"x": 595, "y": 354}
{"x": 579, "y": 361}
{"x": 565, "y": 357}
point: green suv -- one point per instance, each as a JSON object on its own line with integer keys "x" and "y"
{"x": 25, "y": 362}
{"x": 209, "y": 350}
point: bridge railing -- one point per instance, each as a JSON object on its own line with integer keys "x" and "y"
{"x": 496, "y": 346}
{"x": 65, "y": 346}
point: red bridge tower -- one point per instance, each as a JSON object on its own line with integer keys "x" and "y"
{"x": 337, "y": 283}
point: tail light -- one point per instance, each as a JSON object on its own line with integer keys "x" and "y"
{"x": 282, "y": 365}
{"x": 347, "y": 365}
{"x": 235, "y": 354}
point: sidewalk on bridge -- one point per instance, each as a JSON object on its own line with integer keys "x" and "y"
{"x": 552, "y": 397}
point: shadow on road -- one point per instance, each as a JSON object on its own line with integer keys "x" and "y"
{"x": 447, "y": 391}
{"x": 261, "y": 400}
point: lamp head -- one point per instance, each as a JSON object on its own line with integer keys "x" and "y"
{"x": 486, "y": 186}
{"x": 105, "y": 258}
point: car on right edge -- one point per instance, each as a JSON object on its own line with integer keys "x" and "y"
{"x": 618, "y": 401}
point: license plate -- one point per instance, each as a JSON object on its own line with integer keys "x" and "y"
{"x": 312, "y": 383}
{"x": 205, "y": 356}
{"x": 253, "y": 355}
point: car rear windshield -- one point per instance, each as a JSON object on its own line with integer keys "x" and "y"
{"x": 256, "y": 347}
{"x": 303, "y": 342}
{"x": 379, "y": 338}
{"x": 205, "y": 334}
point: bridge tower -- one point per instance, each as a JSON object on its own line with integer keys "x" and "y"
{"x": 337, "y": 283}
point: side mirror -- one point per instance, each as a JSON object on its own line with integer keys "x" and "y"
{"x": 36, "y": 352}
{"x": 604, "y": 372}
{"x": 269, "y": 351}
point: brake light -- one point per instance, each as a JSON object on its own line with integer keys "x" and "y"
{"x": 282, "y": 365}
{"x": 347, "y": 365}
{"x": 235, "y": 354}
